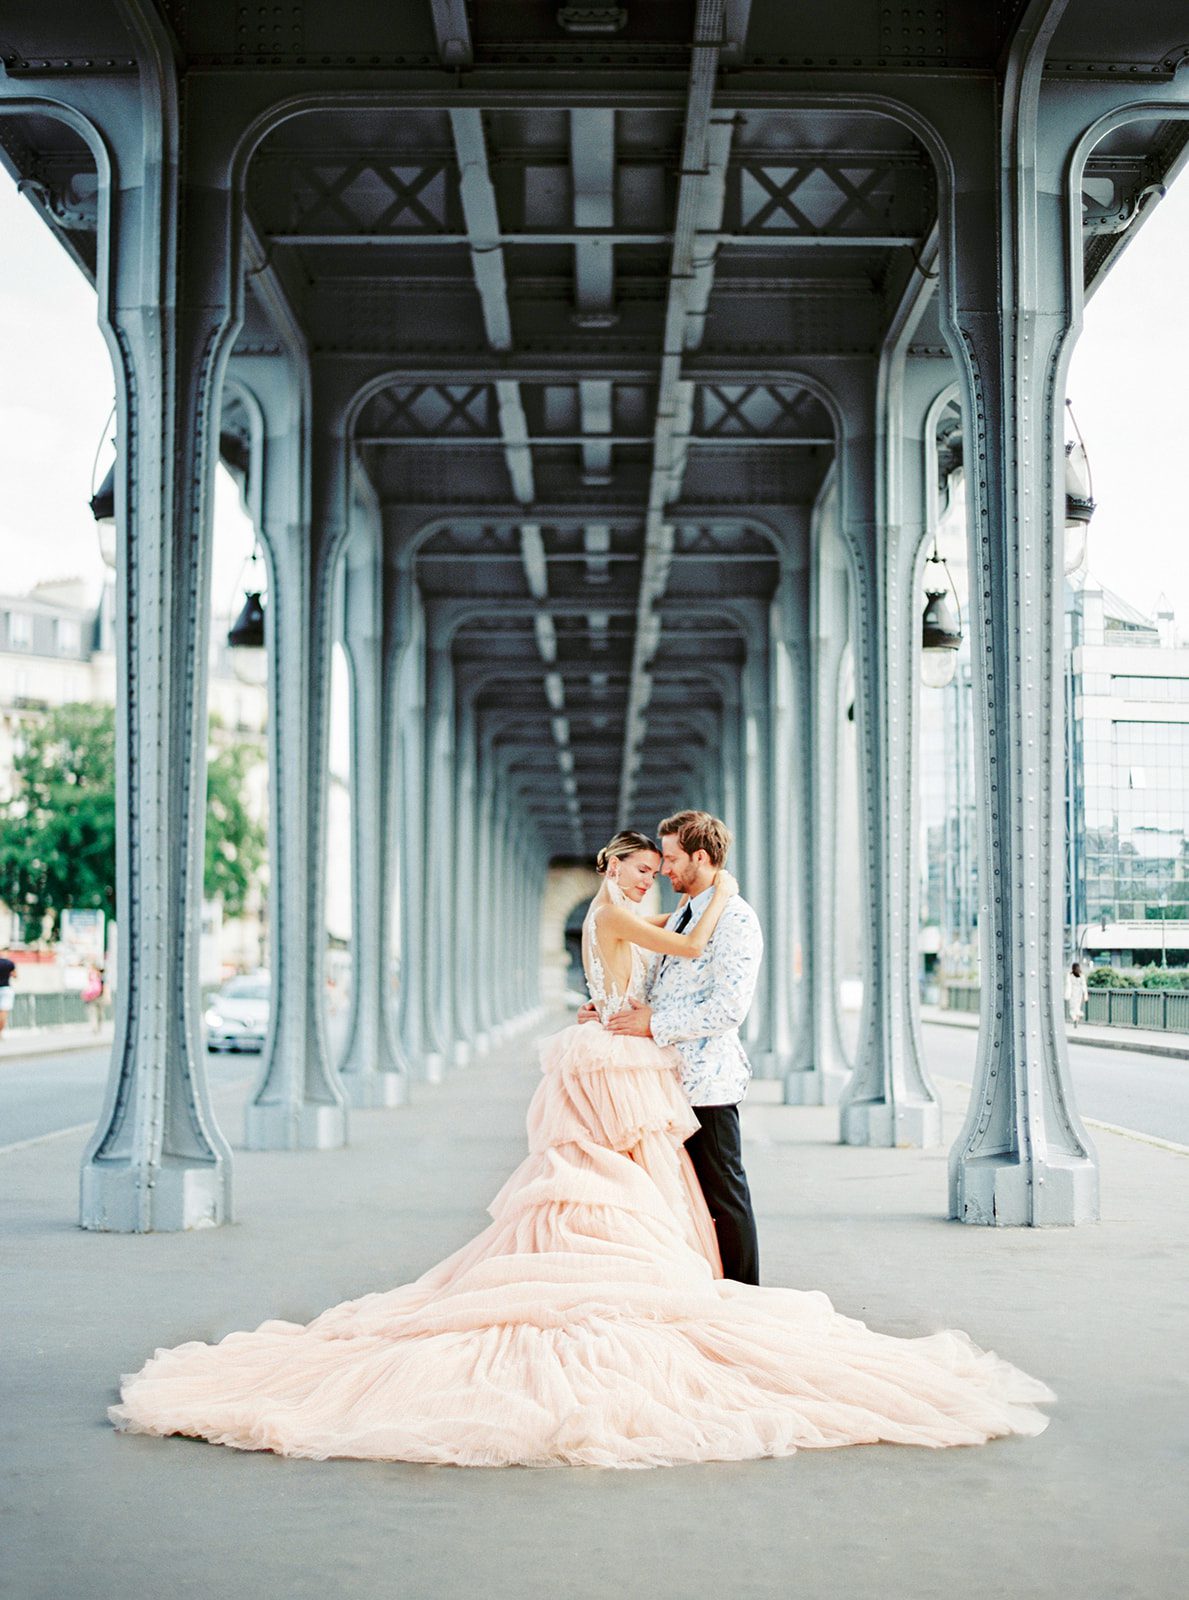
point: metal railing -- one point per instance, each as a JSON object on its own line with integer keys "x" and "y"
{"x": 1159, "y": 1010}
{"x": 1166, "y": 1009}
{"x": 959, "y": 996}
{"x": 46, "y": 1010}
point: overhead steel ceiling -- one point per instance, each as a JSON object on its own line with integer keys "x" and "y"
{"x": 584, "y": 319}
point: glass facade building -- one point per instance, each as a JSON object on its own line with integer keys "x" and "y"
{"x": 1127, "y": 794}
{"x": 1128, "y": 810}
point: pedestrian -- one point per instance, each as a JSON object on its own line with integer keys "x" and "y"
{"x": 7, "y": 973}
{"x": 93, "y": 991}
{"x": 1076, "y": 993}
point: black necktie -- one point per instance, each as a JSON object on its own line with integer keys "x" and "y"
{"x": 682, "y": 924}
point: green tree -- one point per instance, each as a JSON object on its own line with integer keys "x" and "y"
{"x": 235, "y": 841}
{"x": 58, "y": 832}
{"x": 1110, "y": 978}
{"x": 58, "y": 835}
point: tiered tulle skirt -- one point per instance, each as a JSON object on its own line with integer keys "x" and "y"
{"x": 588, "y": 1324}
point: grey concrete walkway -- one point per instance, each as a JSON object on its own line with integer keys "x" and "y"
{"x": 1094, "y": 1508}
{"x": 19, "y": 1043}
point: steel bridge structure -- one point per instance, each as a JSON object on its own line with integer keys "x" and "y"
{"x": 614, "y": 356}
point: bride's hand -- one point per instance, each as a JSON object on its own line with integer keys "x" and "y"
{"x": 724, "y": 881}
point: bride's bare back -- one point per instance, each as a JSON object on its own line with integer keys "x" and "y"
{"x": 615, "y": 937}
{"x": 614, "y": 970}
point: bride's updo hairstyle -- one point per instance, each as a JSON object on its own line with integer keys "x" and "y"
{"x": 623, "y": 845}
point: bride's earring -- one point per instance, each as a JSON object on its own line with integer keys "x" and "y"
{"x": 613, "y": 889}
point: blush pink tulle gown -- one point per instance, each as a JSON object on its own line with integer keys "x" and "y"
{"x": 589, "y": 1324}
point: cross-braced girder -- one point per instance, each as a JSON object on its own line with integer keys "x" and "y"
{"x": 600, "y": 344}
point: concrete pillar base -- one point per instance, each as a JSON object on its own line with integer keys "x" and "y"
{"x": 461, "y": 1054}
{"x": 1003, "y": 1191}
{"x": 767, "y": 1064}
{"x": 482, "y": 1044}
{"x": 913, "y": 1124}
{"x": 433, "y": 1066}
{"x": 306, "y": 1127}
{"x": 807, "y": 1087}
{"x": 123, "y": 1199}
{"x": 370, "y": 1091}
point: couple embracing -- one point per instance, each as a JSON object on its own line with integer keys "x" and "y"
{"x": 690, "y": 1000}
{"x": 610, "y": 1314}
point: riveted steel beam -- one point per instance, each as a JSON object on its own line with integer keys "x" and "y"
{"x": 704, "y": 152}
{"x": 592, "y": 168}
{"x": 766, "y": 363}
{"x": 716, "y": 441}
{"x": 1023, "y": 1156}
{"x": 452, "y": 29}
{"x": 487, "y": 260}
{"x": 371, "y": 1069}
{"x": 157, "y": 1160}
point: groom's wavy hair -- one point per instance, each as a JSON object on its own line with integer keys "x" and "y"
{"x": 698, "y": 830}
{"x": 623, "y": 845}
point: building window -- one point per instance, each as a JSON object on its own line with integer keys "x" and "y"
{"x": 20, "y": 630}
{"x": 1135, "y": 845}
{"x": 1129, "y": 686}
{"x": 66, "y": 636}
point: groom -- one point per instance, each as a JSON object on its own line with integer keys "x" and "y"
{"x": 698, "y": 1005}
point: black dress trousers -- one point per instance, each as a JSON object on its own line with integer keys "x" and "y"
{"x": 717, "y": 1154}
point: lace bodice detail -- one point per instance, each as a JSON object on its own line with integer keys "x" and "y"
{"x": 605, "y": 993}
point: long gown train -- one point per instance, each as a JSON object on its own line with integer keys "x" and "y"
{"x": 588, "y": 1324}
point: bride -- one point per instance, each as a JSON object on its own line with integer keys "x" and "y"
{"x": 589, "y": 1323}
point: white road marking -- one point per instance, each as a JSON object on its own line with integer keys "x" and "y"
{"x": 43, "y": 1138}
{"x": 1092, "y": 1122}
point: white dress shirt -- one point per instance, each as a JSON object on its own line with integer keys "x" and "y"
{"x": 698, "y": 1005}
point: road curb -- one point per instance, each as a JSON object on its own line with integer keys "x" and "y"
{"x": 43, "y": 1043}
{"x": 1176, "y": 1052}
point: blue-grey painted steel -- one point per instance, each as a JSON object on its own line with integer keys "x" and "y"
{"x": 465, "y": 959}
{"x": 371, "y": 1071}
{"x": 1023, "y": 1155}
{"x": 889, "y": 1099}
{"x": 582, "y": 333}
{"x": 299, "y": 1102}
{"x": 820, "y": 1069}
{"x": 157, "y": 1160}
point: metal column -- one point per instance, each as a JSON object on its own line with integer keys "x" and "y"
{"x": 157, "y": 1159}
{"x": 820, "y": 1068}
{"x": 1023, "y": 1156}
{"x": 370, "y": 1070}
{"x": 299, "y": 1102}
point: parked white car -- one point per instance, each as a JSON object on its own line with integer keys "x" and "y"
{"x": 237, "y": 1017}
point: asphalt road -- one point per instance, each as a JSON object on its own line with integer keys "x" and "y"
{"x": 1148, "y": 1094}
{"x": 43, "y": 1094}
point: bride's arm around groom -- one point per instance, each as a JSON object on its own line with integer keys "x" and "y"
{"x": 698, "y": 1007}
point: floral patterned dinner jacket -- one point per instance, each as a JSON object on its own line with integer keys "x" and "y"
{"x": 699, "y": 1005}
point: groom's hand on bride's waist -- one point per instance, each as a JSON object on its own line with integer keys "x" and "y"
{"x": 636, "y": 1020}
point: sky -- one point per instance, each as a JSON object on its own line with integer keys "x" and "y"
{"x": 56, "y": 396}
{"x": 1129, "y": 387}
{"x": 1129, "y": 384}
{"x": 55, "y": 403}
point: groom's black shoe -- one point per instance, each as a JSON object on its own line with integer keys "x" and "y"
{"x": 717, "y": 1155}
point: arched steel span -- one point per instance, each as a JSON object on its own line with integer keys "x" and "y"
{"x": 1003, "y": 134}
